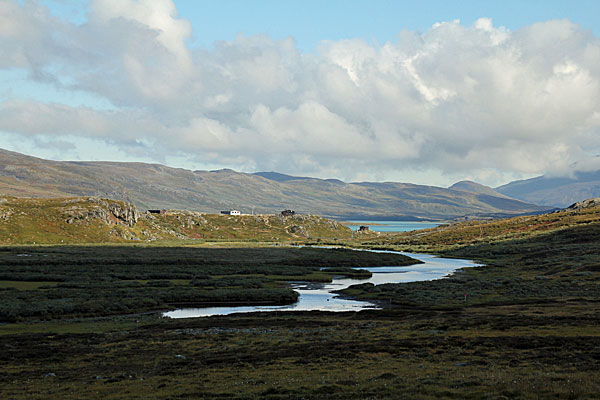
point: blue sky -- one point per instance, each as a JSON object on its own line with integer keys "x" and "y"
{"x": 379, "y": 21}
{"x": 310, "y": 21}
{"x": 426, "y": 92}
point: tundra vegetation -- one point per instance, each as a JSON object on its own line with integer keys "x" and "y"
{"x": 44, "y": 283}
{"x": 527, "y": 328}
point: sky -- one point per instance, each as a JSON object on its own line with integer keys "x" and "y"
{"x": 428, "y": 92}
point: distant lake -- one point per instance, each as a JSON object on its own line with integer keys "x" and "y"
{"x": 392, "y": 226}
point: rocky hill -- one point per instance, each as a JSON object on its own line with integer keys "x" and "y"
{"x": 153, "y": 186}
{"x": 95, "y": 220}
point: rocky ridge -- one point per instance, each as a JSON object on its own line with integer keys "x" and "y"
{"x": 97, "y": 220}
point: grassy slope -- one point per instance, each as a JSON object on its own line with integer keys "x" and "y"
{"x": 458, "y": 235}
{"x": 248, "y": 227}
{"x": 45, "y": 221}
{"x": 89, "y": 220}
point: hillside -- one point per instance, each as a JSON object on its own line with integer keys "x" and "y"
{"x": 464, "y": 234}
{"x": 474, "y": 187}
{"x": 554, "y": 191}
{"x": 153, "y": 186}
{"x": 94, "y": 220}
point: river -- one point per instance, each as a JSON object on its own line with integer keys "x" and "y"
{"x": 319, "y": 296}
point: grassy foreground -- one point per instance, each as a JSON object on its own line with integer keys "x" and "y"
{"x": 496, "y": 353}
{"x": 528, "y": 329}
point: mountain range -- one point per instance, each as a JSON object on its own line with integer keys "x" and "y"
{"x": 555, "y": 191}
{"x": 154, "y": 186}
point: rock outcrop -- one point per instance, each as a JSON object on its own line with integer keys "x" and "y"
{"x": 111, "y": 212}
{"x": 593, "y": 202}
{"x": 124, "y": 212}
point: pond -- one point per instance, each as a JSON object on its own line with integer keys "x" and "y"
{"x": 319, "y": 296}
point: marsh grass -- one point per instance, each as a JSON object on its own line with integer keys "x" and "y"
{"x": 382, "y": 354}
{"x": 63, "y": 282}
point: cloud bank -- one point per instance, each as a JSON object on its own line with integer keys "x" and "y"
{"x": 477, "y": 100}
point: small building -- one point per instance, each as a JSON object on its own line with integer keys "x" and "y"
{"x": 363, "y": 228}
{"x": 288, "y": 213}
{"x": 231, "y": 212}
{"x": 157, "y": 211}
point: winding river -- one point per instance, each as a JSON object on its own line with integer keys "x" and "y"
{"x": 319, "y": 296}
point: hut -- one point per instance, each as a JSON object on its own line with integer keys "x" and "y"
{"x": 231, "y": 212}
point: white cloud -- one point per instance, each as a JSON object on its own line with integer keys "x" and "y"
{"x": 476, "y": 100}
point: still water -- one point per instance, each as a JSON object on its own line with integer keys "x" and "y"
{"x": 392, "y": 226}
{"x": 319, "y": 297}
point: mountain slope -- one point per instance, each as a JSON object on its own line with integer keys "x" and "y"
{"x": 474, "y": 187}
{"x": 151, "y": 186}
{"x": 554, "y": 191}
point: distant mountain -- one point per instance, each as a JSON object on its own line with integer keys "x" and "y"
{"x": 277, "y": 177}
{"x": 555, "y": 191}
{"x": 474, "y": 187}
{"x": 154, "y": 186}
